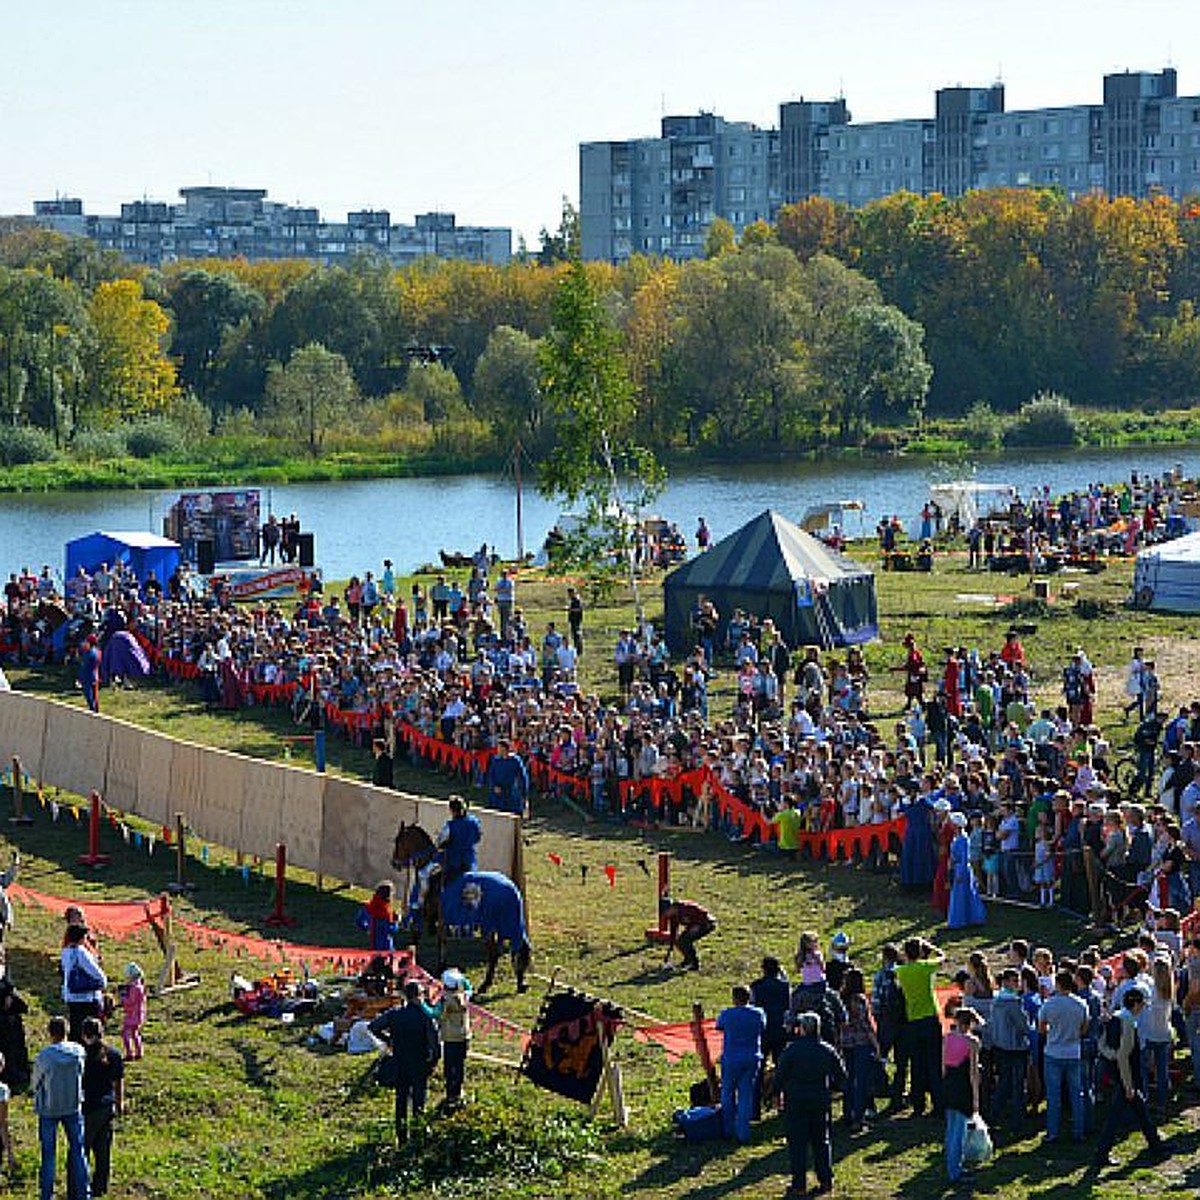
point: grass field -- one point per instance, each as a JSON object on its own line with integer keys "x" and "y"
{"x": 224, "y": 1106}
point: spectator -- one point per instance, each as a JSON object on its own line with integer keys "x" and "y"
{"x": 859, "y": 1047}
{"x": 960, "y": 1073}
{"x": 921, "y": 1033}
{"x": 809, "y": 1070}
{"x": 84, "y": 981}
{"x": 1063, "y": 1024}
{"x": 57, "y": 1087}
{"x": 1119, "y": 1047}
{"x": 453, "y": 1014}
{"x": 742, "y": 1026}
{"x": 103, "y": 1101}
{"x": 770, "y": 992}
{"x": 413, "y": 1037}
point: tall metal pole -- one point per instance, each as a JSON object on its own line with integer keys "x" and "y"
{"x": 520, "y": 527}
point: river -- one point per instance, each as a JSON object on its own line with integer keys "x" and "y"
{"x": 357, "y": 525}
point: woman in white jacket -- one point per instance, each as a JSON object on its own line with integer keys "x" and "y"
{"x": 84, "y": 981}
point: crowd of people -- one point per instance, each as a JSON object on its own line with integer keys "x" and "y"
{"x": 77, "y": 1080}
{"x": 980, "y": 1048}
{"x": 1001, "y": 798}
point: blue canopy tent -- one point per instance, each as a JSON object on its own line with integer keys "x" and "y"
{"x": 141, "y": 552}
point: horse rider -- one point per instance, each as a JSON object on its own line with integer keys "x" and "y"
{"x": 455, "y": 842}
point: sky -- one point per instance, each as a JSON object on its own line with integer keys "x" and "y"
{"x": 479, "y": 108}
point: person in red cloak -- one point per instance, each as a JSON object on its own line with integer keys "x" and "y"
{"x": 952, "y": 680}
{"x": 915, "y": 673}
{"x": 945, "y": 834}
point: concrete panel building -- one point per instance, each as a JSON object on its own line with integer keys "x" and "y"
{"x": 660, "y": 195}
{"x": 222, "y": 222}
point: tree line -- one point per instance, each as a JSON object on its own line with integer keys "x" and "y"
{"x": 814, "y": 331}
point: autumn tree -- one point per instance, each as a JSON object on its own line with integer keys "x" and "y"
{"x": 129, "y": 372}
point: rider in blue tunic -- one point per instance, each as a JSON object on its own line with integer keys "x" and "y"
{"x": 507, "y": 781}
{"x": 456, "y": 844}
{"x": 458, "y": 839}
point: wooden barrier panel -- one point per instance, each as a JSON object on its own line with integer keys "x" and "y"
{"x": 222, "y": 787}
{"x": 339, "y": 827}
{"x": 344, "y": 831}
{"x": 301, "y": 819}
{"x": 120, "y": 789}
{"x": 155, "y": 800}
{"x": 75, "y": 757}
{"x": 384, "y": 810}
{"x": 22, "y": 731}
{"x": 186, "y": 793}
{"x": 262, "y": 804}
{"x": 498, "y": 845}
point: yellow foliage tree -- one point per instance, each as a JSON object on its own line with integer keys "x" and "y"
{"x": 131, "y": 375}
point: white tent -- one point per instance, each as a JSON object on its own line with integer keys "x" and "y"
{"x": 1167, "y": 577}
{"x": 969, "y": 500}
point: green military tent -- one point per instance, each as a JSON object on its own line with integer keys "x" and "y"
{"x": 772, "y": 568}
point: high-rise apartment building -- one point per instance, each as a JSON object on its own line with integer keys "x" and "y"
{"x": 224, "y": 222}
{"x": 659, "y": 195}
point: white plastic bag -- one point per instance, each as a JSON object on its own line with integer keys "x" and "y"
{"x": 977, "y": 1145}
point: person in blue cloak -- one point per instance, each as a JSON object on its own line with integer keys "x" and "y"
{"x": 89, "y": 672}
{"x": 966, "y": 907}
{"x": 917, "y": 864}
{"x": 506, "y": 781}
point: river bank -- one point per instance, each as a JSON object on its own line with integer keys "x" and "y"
{"x": 231, "y": 462}
{"x": 358, "y": 523}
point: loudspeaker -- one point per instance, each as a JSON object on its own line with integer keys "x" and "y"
{"x": 206, "y": 556}
{"x": 304, "y": 543}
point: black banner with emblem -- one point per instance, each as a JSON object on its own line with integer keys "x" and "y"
{"x": 565, "y": 1054}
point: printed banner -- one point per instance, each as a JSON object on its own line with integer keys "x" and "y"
{"x": 564, "y": 1054}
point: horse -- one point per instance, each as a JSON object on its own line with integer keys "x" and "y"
{"x": 486, "y": 902}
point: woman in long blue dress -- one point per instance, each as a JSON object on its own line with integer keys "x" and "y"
{"x": 917, "y": 853}
{"x": 966, "y": 907}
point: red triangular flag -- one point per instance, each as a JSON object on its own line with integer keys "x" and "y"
{"x": 556, "y": 859}
{"x": 611, "y": 872}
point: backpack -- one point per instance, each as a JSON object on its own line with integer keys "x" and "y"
{"x": 889, "y": 1001}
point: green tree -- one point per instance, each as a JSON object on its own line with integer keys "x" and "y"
{"x": 306, "y": 398}
{"x": 336, "y": 308}
{"x": 720, "y": 238}
{"x": 735, "y": 367}
{"x": 213, "y": 313}
{"x": 435, "y": 390}
{"x": 565, "y": 243}
{"x": 872, "y": 366}
{"x": 45, "y": 331}
{"x": 595, "y": 465}
{"x": 507, "y": 390}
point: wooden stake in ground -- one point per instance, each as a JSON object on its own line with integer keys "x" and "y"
{"x": 172, "y": 977}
